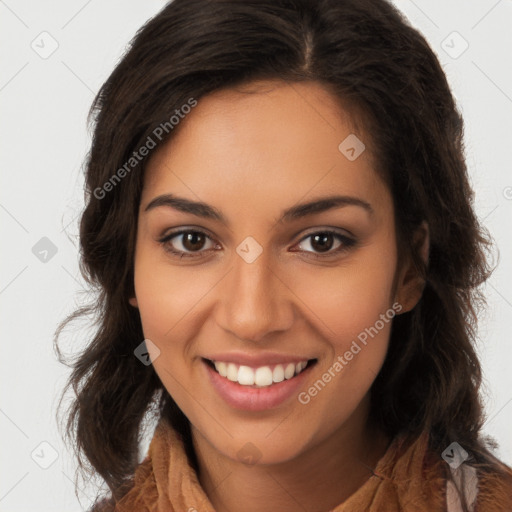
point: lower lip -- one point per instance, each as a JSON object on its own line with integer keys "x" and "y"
{"x": 255, "y": 399}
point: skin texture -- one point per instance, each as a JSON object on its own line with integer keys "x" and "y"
{"x": 251, "y": 156}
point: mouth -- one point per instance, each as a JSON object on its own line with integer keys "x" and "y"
{"x": 264, "y": 376}
{"x": 260, "y": 388}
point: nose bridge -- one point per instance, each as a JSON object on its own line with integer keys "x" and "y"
{"x": 254, "y": 301}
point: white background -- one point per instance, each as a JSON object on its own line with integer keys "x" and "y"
{"x": 44, "y": 139}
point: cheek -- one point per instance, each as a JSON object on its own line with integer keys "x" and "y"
{"x": 168, "y": 296}
{"x": 173, "y": 305}
{"x": 357, "y": 351}
{"x": 347, "y": 299}
{"x": 351, "y": 306}
{"x": 167, "y": 301}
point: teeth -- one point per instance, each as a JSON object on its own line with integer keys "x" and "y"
{"x": 289, "y": 371}
{"x": 245, "y": 376}
{"x": 262, "y": 376}
{"x": 232, "y": 372}
{"x": 222, "y": 368}
{"x": 278, "y": 373}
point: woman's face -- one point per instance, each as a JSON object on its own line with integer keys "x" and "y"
{"x": 269, "y": 273}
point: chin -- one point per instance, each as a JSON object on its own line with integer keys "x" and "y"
{"x": 262, "y": 449}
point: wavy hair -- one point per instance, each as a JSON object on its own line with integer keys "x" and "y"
{"x": 379, "y": 67}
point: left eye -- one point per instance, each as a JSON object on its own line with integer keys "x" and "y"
{"x": 323, "y": 241}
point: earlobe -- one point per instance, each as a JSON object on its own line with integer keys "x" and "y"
{"x": 422, "y": 241}
{"x": 133, "y": 302}
{"x": 411, "y": 282}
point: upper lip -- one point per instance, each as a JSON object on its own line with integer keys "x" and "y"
{"x": 256, "y": 360}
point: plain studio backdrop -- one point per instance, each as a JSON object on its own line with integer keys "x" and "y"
{"x": 54, "y": 56}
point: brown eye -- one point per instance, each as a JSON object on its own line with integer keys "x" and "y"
{"x": 193, "y": 241}
{"x": 322, "y": 243}
{"x": 187, "y": 243}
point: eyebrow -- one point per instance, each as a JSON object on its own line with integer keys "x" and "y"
{"x": 299, "y": 211}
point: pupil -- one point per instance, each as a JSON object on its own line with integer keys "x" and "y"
{"x": 322, "y": 242}
{"x": 193, "y": 241}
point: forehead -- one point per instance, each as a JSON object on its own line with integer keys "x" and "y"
{"x": 274, "y": 139}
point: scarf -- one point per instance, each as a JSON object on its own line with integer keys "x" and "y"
{"x": 407, "y": 478}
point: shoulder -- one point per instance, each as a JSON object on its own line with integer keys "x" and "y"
{"x": 485, "y": 488}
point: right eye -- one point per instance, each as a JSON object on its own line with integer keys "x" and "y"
{"x": 189, "y": 242}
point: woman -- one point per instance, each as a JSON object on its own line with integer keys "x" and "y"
{"x": 280, "y": 228}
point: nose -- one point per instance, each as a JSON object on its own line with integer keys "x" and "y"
{"x": 255, "y": 300}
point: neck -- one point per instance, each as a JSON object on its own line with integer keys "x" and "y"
{"x": 319, "y": 478}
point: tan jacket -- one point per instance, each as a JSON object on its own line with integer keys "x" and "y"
{"x": 407, "y": 478}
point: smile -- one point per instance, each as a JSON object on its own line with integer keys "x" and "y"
{"x": 257, "y": 382}
{"x": 261, "y": 376}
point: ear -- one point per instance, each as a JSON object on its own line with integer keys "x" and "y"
{"x": 133, "y": 302}
{"x": 410, "y": 283}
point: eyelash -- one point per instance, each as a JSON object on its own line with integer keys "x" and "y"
{"x": 346, "y": 243}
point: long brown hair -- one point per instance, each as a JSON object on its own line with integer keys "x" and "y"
{"x": 367, "y": 55}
